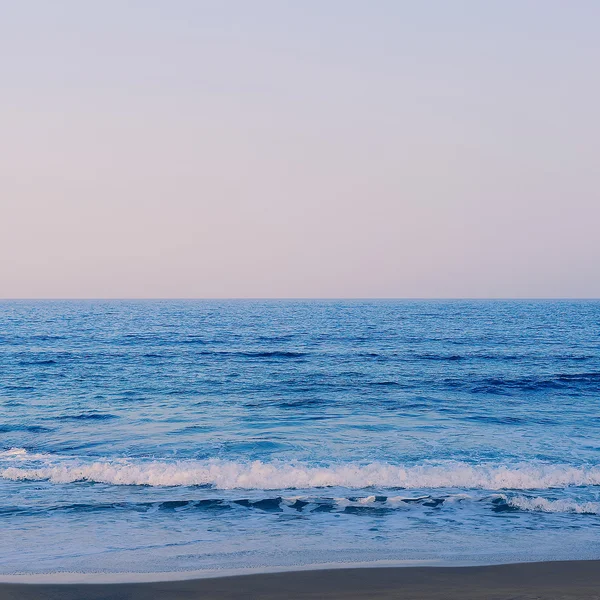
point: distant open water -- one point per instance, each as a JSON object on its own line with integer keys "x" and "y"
{"x": 183, "y": 435}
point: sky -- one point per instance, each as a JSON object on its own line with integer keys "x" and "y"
{"x": 313, "y": 148}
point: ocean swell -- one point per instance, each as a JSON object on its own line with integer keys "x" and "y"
{"x": 17, "y": 465}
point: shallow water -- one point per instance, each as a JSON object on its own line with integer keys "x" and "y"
{"x": 180, "y": 435}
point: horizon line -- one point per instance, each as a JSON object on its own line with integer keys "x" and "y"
{"x": 297, "y": 298}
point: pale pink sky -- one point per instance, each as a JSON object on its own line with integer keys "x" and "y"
{"x": 311, "y": 149}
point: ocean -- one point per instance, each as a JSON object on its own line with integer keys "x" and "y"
{"x": 166, "y": 436}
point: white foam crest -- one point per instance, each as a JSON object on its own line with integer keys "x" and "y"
{"x": 458, "y": 498}
{"x": 402, "y": 501}
{"x": 367, "y": 500}
{"x": 554, "y": 506}
{"x": 342, "y": 503}
{"x": 221, "y": 474}
{"x": 22, "y": 454}
{"x": 13, "y": 452}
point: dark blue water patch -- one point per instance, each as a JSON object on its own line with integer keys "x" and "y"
{"x": 260, "y": 446}
{"x": 494, "y": 357}
{"x": 563, "y": 381}
{"x": 593, "y": 378}
{"x": 501, "y": 505}
{"x": 46, "y": 337}
{"x": 36, "y": 356}
{"x": 267, "y": 504}
{"x": 318, "y": 417}
{"x": 139, "y": 337}
{"x": 496, "y": 419}
{"x": 275, "y": 339}
{"x": 299, "y": 505}
{"x": 268, "y": 354}
{"x": 323, "y": 508}
{"x": 374, "y": 355}
{"x": 86, "y": 446}
{"x": 19, "y": 388}
{"x": 346, "y": 339}
{"x": 536, "y": 384}
{"x": 352, "y": 374}
{"x": 4, "y": 428}
{"x": 129, "y": 395}
{"x": 494, "y": 390}
{"x": 512, "y": 420}
{"x": 560, "y": 382}
{"x": 298, "y": 403}
{"x": 400, "y": 405}
{"x": 372, "y": 511}
{"x": 272, "y": 355}
{"x": 178, "y": 505}
{"x": 14, "y": 510}
{"x": 194, "y": 429}
{"x": 11, "y": 402}
{"x": 43, "y": 362}
{"x": 88, "y": 416}
{"x": 143, "y": 507}
{"x": 438, "y": 357}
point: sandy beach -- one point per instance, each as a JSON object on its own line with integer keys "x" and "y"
{"x": 541, "y": 581}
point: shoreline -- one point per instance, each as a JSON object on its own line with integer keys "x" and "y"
{"x": 125, "y": 577}
{"x": 577, "y": 579}
{"x": 141, "y": 577}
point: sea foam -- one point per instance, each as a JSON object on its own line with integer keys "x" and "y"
{"x": 554, "y": 506}
{"x": 221, "y": 474}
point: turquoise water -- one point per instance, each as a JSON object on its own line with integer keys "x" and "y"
{"x": 182, "y": 435}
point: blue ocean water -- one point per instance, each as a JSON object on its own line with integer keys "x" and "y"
{"x": 187, "y": 435}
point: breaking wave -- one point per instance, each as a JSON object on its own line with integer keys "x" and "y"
{"x": 221, "y": 474}
{"x": 308, "y": 504}
{"x": 554, "y": 506}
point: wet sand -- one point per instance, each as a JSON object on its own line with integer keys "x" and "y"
{"x": 549, "y": 580}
